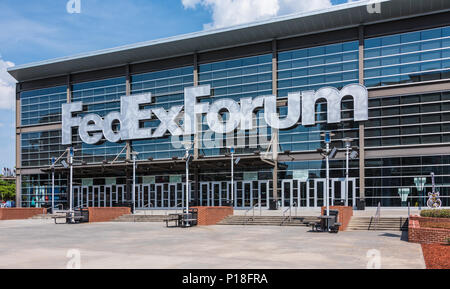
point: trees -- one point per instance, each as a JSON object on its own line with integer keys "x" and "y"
{"x": 7, "y": 190}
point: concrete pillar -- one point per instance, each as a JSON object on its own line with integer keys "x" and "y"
{"x": 275, "y": 131}
{"x": 128, "y": 92}
{"x": 362, "y": 194}
{"x": 197, "y": 136}
{"x": 18, "y": 150}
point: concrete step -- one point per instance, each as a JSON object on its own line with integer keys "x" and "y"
{"x": 46, "y": 216}
{"x": 384, "y": 224}
{"x": 140, "y": 218}
{"x": 267, "y": 220}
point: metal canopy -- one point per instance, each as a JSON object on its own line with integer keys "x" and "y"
{"x": 337, "y": 17}
{"x": 154, "y": 167}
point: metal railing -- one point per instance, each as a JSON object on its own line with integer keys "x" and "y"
{"x": 149, "y": 205}
{"x": 177, "y": 207}
{"x": 253, "y": 216}
{"x": 287, "y": 218}
{"x": 377, "y": 216}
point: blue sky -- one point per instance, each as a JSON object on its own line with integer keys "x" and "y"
{"x": 37, "y": 30}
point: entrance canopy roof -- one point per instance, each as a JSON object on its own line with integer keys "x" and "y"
{"x": 156, "y": 166}
{"x": 347, "y": 15}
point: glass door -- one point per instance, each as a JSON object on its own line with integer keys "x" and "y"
{"x": 204, "y": 194}
{"x": 286, "y": 193}
{"x": 319, "y": 192}
{"x": 216, "y": 194}
{"x": 159, "y": 192}
{"x": 263, "y": 194}
{"x": 247, "y": 194}
{"x": 173, "y": 202}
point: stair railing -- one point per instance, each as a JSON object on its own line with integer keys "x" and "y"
{"x": 288, "y": 217}
{"x": 377, "y": 215}
{"x": 248, "y": 210}
{"x": 148, "y": 205}
{"x": 177, "y": 207}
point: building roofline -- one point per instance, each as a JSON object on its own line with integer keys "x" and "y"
{"x": 335, "y": 17}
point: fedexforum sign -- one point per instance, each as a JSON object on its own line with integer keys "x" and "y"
{"x": 93, "y": 128}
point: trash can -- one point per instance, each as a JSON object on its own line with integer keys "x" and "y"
{"x": 339, "y": 203}
{"x": 361, "y": 205}
{"x": 273, "y": 205}
{"x": 227, "y": 203}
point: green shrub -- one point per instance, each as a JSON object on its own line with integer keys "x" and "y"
{"x": 437, "y": 213}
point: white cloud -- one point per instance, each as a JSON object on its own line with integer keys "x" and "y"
{"x": 7, "y": 86}
{"x": 233, "y": 12}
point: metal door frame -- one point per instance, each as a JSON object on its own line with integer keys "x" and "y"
{"x": 352, "y": 187}
{"x": 316, "y": 181}
{"x": 243, "y": 194}
{"x": 212, "y": 199}
{"x": 260, "y": 184}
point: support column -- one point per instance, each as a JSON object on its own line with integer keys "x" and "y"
{"x": 275, "y": 131}
{"x": 197, "y": 140}
{"x": 127, "y": 93}
{"x": 197, "y": 134}
{"x": 18, "y": 150}
{"x": 362, "y": 194}
{"x": 69, "y": 89}
{"x": 128, "y": 172}
{"x": 196, "y": 187}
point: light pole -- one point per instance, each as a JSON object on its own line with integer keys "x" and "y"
{"x": 53, "y": 185}
{"x": 232, "y": 175}
{"x": 134, "y": 155}
{"x": 348, "y": 143}
{"x": 328, "y": 153}
{"x": 71, "y": 184}
{"x": 187, "y": 146}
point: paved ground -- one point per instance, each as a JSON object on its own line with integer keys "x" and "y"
{"x": 42, "y": 244}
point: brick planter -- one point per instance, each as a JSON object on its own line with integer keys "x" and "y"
{"x": 20, "y": 213}
{"x": 426, "y": 235}
{"x": 212, "y": 215}
{"x": 106, "y": 214}
{"x": 344, "y": 216}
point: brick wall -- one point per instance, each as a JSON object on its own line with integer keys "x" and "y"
{"x": 20, "y": 213}
{"x": 106, "y": 214}
{"x": 212, "y": 215}
{"x": 344, "y": 216}
{"x": 424, "y": 235}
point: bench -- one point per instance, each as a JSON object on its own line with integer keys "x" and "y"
{"x": 76, "y": 218}
{"x": 335, "y": 228}
{"x": 173, "y": 218}
{"x": 315, "y": 226}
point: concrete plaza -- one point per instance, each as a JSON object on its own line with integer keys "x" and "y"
{"x": 42, "y": 244}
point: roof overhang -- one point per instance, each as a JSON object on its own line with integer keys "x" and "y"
{"x": 348, "y": 15}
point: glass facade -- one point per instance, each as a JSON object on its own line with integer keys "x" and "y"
{"x": 310, "y": 69}
{"x": 236, "y": 79}
{"x": 408, "y": 120}
{"x": 408, "y": 57}
{"x": 37, "y": 190}
{"x": 42, "y": 106}
{"x": 167, "y": 88}
{"x": 99, "y": 97}
{"x": 386, "y": 176}
{"x": 38, "y": 148}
